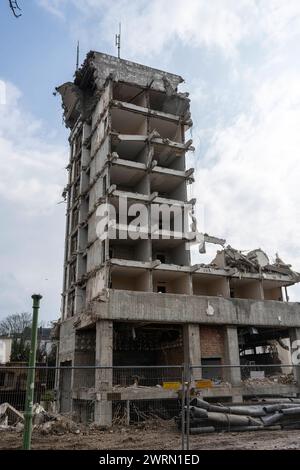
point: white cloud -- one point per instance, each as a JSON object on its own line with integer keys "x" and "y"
{"x": 151, "y": 28}
{"x": 53, "y": 7}
{"x": 31, "y": 170}
{"x": 32, "y": 176}
{"x": 9, "y": 285}
{"x": 248, "y": 178}
{"x": 280, "y": 20}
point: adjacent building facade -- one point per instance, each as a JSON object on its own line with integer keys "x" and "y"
{"x": 131, "y": 296}
{"x": 5, "y": 349}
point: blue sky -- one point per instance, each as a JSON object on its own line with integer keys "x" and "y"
{"x": 241, "y": 65}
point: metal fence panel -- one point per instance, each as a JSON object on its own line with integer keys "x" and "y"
{"x": 137, "y": 396}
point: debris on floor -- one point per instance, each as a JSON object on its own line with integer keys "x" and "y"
{"x": 285, "y": 379}
{"x": 39, "y": 414}
{"x": 205, "y": 417}
{"x": 9, "y": 416}
{"x": 59, "y": 425}
{"x": 43, "y": 421}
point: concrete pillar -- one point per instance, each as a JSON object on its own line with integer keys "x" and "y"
{"x": 103, "y": 377}
{"x": 295, "y": 347}
{"x": 232, "y": 355}
{"x": 192, "y": 350}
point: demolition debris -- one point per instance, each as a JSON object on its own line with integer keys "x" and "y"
{"x": 204, "y": 417}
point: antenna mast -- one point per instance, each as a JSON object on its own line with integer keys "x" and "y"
{"x": 118, "y": 41}
{"x": 77, "y": 56}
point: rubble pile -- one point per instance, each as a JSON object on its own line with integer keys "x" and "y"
{"x": 255, "y": 261}
{"x": 205, "y": 417}
{"x": 10, "y": 417}
{"x": 59, "y": 425}
{"x": 285, "y": 379}
{"x": 43, "y": 421}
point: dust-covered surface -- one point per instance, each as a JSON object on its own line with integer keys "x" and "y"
{"x": 158, "y": 435}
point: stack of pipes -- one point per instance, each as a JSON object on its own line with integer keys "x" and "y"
{"x": 205, "y": 417}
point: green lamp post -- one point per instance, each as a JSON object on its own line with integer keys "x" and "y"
{"x": 31, "y": 374}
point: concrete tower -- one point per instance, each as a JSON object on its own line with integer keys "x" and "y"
{"x": 130, "y": 293}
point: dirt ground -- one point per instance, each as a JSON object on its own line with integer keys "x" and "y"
{"x": 157, "y": 436}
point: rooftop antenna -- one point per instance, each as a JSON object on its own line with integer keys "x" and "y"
{"x": 118, "y": 41}
{"x": 77, "y": 56}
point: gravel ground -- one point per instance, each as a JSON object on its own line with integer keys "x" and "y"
{"x": 157, "y": 436}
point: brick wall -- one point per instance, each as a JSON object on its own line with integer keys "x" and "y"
{"x": 212, "y": 341}
{"x": 172, "y": 356}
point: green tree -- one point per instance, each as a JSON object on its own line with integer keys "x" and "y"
{"x": 19, "y": 350}
{"x": 14, "y": 325}
{"x": 18, "y": 327}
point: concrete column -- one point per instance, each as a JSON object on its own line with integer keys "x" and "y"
{"x": 192, "y": 350}
{"x": 232, "y": 355}
{"x": 57, "y": 379}
{"x": 103, "y": 377}
{"x": 295, "y": 346}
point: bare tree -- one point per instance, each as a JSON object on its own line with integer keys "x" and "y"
{"x": 13, "y": 4}
{"x": 14, "y": 325}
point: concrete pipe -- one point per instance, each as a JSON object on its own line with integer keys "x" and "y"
{"x": 232, "y": 420}
{"x": 272, "y": 419}
{"x": 199, "y": 403}
{"x": 198, "y": 412}
{"x": 255, "y": 411}
{"x": 291, "y": 411}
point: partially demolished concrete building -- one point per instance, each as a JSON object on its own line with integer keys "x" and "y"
{"x": 133, "y": 297}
